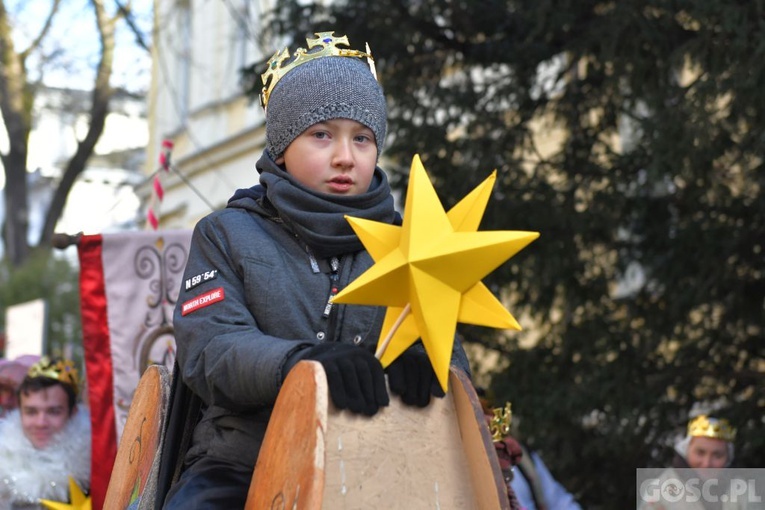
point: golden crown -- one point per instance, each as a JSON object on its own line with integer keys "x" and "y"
{"x": 324, "y": 45}
{"x": 61, "y": 370}
{"x": 703, "y": 426}
{"x": 499, "y": 426}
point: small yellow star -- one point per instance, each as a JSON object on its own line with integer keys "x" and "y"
{"x": 433, "y": 264}
{"x": 79, "y": 500}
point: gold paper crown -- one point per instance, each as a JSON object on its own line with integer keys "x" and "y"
{"x": 328, "y": 44}
{"x": 63, "y": 371}
{"x": 703, "y": 426}
{"x": 499, "y": 426}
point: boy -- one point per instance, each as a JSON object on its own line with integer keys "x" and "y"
{"x": 705, "y": 450}
{"x": 708, "y": 444}
{"x": 257, "y": 287}
{"x": 46, "y": 440}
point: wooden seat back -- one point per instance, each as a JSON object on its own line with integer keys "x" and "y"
{"x": 134, "y": 476}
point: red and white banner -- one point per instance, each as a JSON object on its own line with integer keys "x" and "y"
{"x": 129, "y": 284}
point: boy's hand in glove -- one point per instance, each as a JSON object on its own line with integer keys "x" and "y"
{"x": 412, "y": 377}
{"x": 355, "y": 377}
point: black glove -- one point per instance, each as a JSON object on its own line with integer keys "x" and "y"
{"x": 355, "y": 377}
{"x": 411, "y": 375}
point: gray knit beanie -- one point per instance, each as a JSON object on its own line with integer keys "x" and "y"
{"x": 323, "y": 89}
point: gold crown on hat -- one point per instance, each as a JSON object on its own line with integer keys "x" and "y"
{"x": 704, "y": 426}
{"x": 324, "y": 45}
{"x": 63, "y": 371}
{"x": 499, "y": 425}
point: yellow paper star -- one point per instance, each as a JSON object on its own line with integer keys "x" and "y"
{"x": 478, "y": 306}
{"x": 433, "y": 264}
{"x": 79, "y": 500}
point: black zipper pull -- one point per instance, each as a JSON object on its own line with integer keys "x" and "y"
{"x": 334, "y": 264}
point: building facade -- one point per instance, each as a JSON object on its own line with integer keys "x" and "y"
{"x": 196, "y": 101}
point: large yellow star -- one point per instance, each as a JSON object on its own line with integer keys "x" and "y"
{"x": 478, "y": 305}
{"x": 79, "y": 500}
{"x": 432, "y": 265}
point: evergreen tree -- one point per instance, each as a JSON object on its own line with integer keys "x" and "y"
{"x": 630, "y": 135}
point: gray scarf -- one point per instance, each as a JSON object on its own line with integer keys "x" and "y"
{"x": 317, "y": 218}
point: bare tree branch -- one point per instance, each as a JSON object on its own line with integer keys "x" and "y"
{"x": 16, "y": 104}
{"x": 99, "y": 109}
{"x": 127, "y": 12}
{"x": 35, "y": 44}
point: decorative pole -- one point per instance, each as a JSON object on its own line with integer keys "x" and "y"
{"x": 152, "y": 216}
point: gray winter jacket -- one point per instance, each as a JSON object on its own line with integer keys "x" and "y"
{"x": 251, "y": 297}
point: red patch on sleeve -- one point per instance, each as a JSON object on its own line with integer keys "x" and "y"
{"x": 206, "y": 299}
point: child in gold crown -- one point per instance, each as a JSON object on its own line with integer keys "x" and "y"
{"x": 694, "y": 481}
{"x": 46, "y": 440}
{"x": 257, "y": 287}
{"x": 708, "y": 443}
